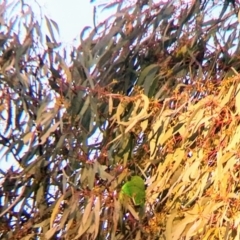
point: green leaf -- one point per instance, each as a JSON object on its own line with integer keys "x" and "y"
{"x": 55, "y": 25}
{"x": 49, "y": 23}
{"x": 151, "y": 69}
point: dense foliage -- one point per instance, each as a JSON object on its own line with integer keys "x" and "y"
{"x": 149, "y": 97}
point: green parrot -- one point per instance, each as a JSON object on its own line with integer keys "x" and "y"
{"x": 134, "y": 190}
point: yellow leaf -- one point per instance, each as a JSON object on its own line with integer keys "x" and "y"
{"x": 169, "y": 225}
{"x": 24, "y": 80}
{"x": 27, "y": 137}
{"x": 226, "y": 157}
{"x": 50, "y": 233}
{"x": 120, "y": 110}
{"x": 178, "y": 229}
{"x": 165, "y": 136}
{"x": 87, "y": 211}
{"x": 142, "y": 114}
{"x": 131, "y": 125}
{"x": 176, "y": 161}
{"x": 182, "y": 51}
{"x": 55, "y": 210}
{"x": 176, "y": 190}
{"x": 83, "y": 228}
{"x": 138, "y": 235}
{"x": 195, "y": 228}
{"x": 66, "y": 70}
{"x": 163, "y": 166}
{"x": 136, "y": 107}
{"x": 208, "y": 234}
{"x": 132, "y": 211}
{"x": 69, "y": 224}
{"x": 204, "y": 182}
{"x": 64, "y": 218}
{"x": 116, "y": 214}
{"x": 110, "y": 103}
{"x": 234, "y": 140}
{"x": 49, "y": 131}
{"x": 224, "y": 99}
{"x": 238, "y": 233}
{"x": 97, "y": 216}
{"x": 237, "y": 99}
{"x": 144, "y": 125}
{"x": 192, "y": 171}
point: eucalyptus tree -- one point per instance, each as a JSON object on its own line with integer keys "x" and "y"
{"x": 132, "y": 134}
